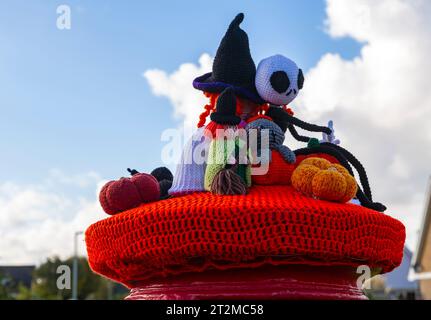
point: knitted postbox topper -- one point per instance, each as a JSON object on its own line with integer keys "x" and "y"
{"x": 273, "y": 225}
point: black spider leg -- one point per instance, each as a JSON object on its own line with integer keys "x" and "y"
{"x": 305, "y": 125}
{"x": 357, "y": 165}
{"x": 296, "y": 135}
{"x": 363, "y": 199}
{"x": 286, "y": 120}
{"x": 350, "y": 157}
{"x": 363, "y": 196}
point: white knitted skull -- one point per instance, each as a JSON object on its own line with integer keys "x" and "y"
{"x": 278, "y": 80}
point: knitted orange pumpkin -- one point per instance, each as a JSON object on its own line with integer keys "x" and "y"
{"x": 321, "y": 179}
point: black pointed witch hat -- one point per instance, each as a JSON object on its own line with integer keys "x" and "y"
{"x": 226, "y": 108}
{"x": 233, "y": 65}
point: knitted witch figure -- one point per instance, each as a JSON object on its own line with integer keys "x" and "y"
{"x": 228, "y": 170}
{"x": 234, "y": 68}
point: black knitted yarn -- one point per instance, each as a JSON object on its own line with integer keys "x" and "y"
{"x": 132, "y": 171}
{"x": 284, "y": 120}
{"x": 233, "y": 63}
{"x": 165, "y": 185}
{"x": 330, "y": 150}
{"x": 162, "y": 173}
{"x": 277, "y": 115}
{"x": 226, "y": 109}
{"x": 357, "y": 165}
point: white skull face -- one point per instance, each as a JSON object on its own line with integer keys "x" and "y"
{"x": 278, "y": 80}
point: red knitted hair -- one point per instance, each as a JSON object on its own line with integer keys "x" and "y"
{"x": 212, "y": 127}
{"x": 211, "y": 106}
{"x": 258, "y": 116}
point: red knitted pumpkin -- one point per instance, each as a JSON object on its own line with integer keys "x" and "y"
{"x": 128, "y": 193}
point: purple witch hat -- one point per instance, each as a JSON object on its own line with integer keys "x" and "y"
{"x": 233, "y": 66}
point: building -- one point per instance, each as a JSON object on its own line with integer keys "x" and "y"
{"x": 11, "y": 277}
{"x": 422, "y": 259}
{"x": 395, "y": 285}
{"x": 398, "y": 284}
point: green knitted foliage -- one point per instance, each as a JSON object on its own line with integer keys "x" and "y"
{"x": 218, "y": 159}
{"x": 313, "y": 142}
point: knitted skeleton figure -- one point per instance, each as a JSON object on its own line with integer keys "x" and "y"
{"x": 278, "y": 81}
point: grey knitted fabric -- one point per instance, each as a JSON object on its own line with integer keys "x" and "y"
{"x": 276, "y": 137}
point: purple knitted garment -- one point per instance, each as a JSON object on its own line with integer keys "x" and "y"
{"x": 190, "y": 173}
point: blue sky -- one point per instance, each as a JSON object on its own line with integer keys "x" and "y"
{"x": 75, "y": 99}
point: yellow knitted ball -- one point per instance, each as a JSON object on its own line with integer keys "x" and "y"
{"x": 302, "y": 178}
{"x": 319, "y": 178}
{"x": 317, "y": 162}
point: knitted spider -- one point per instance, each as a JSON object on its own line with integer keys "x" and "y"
{"x": 278, "y": 81}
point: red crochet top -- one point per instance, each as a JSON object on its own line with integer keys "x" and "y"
{"x": 271, "y": 225}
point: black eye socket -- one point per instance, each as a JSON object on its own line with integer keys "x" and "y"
{"x": 280, "y": 81}
{"x": 300, "y": 79}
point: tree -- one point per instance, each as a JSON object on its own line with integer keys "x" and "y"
{"x": 4, "y": 292}
{"x": 90, "y": 285}
{"x": 8, "y": 287}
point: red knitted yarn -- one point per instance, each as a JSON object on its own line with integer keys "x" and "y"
{"x": 280, "y": 171}
{"x": 271, "y": 225}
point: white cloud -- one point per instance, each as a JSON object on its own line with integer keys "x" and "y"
{"x": 388, "y": 79}
{"x": 399, "y": 168}
{"x": 380, "y": 101}
{"x": 79, "y": 180}
{"x": 188, "y": 102}
{"x": 37, "y": 221}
